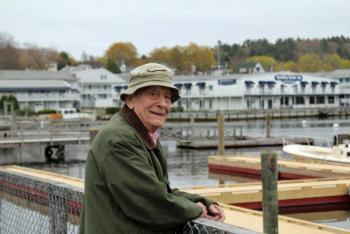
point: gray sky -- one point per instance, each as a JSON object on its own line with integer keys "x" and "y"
{"x": 93, "y": 25}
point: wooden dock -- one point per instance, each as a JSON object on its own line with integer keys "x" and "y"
{"x": 15, "y": 142}
{"x": 247, "y": 192}
{"x": 287, "y": 169}
{"x": 204, "y": 143}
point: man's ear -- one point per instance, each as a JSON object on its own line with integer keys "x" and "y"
{"x": 129, "y": 102}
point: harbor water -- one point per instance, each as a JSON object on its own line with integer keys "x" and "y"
{"x": 189, "y": 168}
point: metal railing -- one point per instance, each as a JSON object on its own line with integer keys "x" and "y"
{"x": 32, "y": 205}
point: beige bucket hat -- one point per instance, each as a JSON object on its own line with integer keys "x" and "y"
{"x": 151, "y": 74}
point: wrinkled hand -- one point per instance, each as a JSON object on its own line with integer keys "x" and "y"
{"x": 204, "y": 210}
{"x": 216, "y": 212}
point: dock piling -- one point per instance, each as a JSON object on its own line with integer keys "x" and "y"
{"x": 221, "y": 132}
{"x": 269, "y": 186}
{"x": 268, "y": 125}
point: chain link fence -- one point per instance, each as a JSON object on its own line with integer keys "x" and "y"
{"x": 32, "y": 205}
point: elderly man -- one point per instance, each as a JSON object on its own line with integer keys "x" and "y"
{"x": 126, "y": 184}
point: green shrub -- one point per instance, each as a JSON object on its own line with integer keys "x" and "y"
{"x": 26, "y": 112}
{"x": 9, "y": 98}
{"x": 177, "y": 109}
{"x": 46, "y": 112}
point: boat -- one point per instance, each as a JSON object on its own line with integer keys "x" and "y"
{"x": 339, "y": 152}
{"x": 69, "y": 114}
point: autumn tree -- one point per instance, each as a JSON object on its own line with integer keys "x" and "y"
{"x": 8, "y": 52}
{"x": 310, "y": 62}
{"x": 65, "y": 59}
{"x": 112, "y": 66}
{"x": 34, "y": 57}
{"x": 198, "y": 58}
{"x": 160, "y": 55}
{"x": 122, "y": 53}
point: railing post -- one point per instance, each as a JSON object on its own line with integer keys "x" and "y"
{"x": 268, "y": 125}
{"x": 269, "y": 187}
{"x": 221, "y": 132}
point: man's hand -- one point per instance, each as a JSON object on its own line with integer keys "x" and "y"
{"x": 216, "y": 212}
{"x": 204, "y": 210}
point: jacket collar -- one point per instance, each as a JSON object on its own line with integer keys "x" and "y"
{"x": 134, "y": 121}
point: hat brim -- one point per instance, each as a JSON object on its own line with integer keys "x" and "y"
{"x": 132, "y": 89}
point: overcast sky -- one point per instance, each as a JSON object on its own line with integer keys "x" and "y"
{"x": 93, "y": 25}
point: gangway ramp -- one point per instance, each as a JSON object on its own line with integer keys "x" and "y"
{"x": 237, "y": 216}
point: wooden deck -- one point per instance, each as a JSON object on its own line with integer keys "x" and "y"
{"x": 238, "y": 216}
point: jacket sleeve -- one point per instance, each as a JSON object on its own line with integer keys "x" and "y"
{"x": 193, "y": 197}
{"x": 140, "y": 194}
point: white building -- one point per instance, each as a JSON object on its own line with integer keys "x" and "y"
{"x": 253, "y": 91}
{"x": 96, "y": 87}
{"x": 38, "y": 90}
{"x": 343, "y": 77}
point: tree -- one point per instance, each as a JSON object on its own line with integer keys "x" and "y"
{"x": 65, "y": 59}
{"x": 201, "y": 57}
{"x": 122, "y": 53}
{"x": 288, "y": 66}
{"x": 310, "y": 62}
{"x": 34, "y": 57}
{"x": 284, "y": 49}
{"x": 160, "y": 55}
{"x": 8, "y": 52}
{"x": 332, "y": 62}
{"x": 9, "y": 98}
{"x": 112, "y": 66}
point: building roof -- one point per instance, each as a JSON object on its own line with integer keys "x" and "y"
{"x": 35, "y": 75}
{"x": 99, "y": 75}
{"x": 30, "y": 85}
{"x": 340, "y": 73}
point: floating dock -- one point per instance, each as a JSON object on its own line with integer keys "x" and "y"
{"x": 249, "y": 192}
{"x": 240, "y": 143}
{"x": 249, "y": 166}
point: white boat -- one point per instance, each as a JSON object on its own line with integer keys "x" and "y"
{"x": 69, "y": 114}
{"x": 339, "y": 153}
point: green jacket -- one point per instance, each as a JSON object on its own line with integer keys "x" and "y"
{"x": 126, "y": 183}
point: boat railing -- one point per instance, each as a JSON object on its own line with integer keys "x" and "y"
{"x": 309, "y": 140}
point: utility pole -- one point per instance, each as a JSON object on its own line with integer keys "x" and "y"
{"x": 218, "y": 54}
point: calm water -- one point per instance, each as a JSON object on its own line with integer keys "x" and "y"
{"x": 190, "y": 168}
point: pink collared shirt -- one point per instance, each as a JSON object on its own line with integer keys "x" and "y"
{"x": 154, "y": 136}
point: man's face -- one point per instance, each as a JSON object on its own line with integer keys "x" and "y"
{"x": 151, "y": 105}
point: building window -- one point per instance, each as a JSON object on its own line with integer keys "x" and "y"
{"x": 312, "y": 100}
{"x": 331, "y": 100}
{"x": 299, "y": 100}
{"x": 320, "y": 99}
{"x": 210, "y": 87}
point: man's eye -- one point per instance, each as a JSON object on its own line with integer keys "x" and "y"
{"x": 153, "y": 93}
